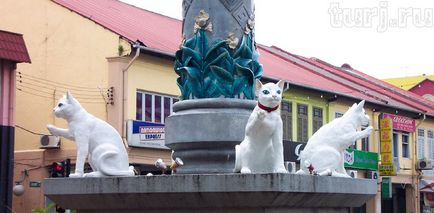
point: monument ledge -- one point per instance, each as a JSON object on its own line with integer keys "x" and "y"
{"x": 213, "y": 192}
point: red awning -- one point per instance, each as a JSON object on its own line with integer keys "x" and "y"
{"x": 13, "y": 48}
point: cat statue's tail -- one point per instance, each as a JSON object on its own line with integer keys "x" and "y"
{"x": 109, "y": 170}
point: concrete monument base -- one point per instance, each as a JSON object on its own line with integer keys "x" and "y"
{"x": 211, "y": 193}
{"x": 204, "y": 132}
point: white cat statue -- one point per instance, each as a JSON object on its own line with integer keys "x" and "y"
{"x": 94, "y": 138}
{"x": 261, "y": 151}
{"x": 324, "y": 152}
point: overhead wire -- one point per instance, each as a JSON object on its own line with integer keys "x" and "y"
{"x": 55, "y": 83}
{"x": 58, "y": 94}
{"x": 51, "y": 97}
{"x": 45, "y": 88}
{"x": 30, "y": 131}
{"x": 54, "y": 88}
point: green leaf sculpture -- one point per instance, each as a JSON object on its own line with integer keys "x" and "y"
{"x": 216, "y": 70}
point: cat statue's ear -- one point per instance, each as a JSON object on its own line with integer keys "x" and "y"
{"x": 281, "y": 84}
{"x": 70, "y": 98}
{"x": 353, "y": 107}
{"x": 360, "y": 106}
{"x": 258, "y": 86}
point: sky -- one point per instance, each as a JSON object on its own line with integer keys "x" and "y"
{"x": 384, "y": 39}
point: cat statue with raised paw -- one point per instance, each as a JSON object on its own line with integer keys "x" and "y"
{"x": 324, "y": 152}
{"x": 95, "y": 139}
{"x": 261, "y": 151}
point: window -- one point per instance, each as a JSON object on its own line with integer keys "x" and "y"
{"x": 365, "y": 141}
{"x": 405, "y": 146}
{"x": 286, "y": 115}
{"x": 395, "y": 144}
{"x": 302, "y": 123}
{"x": 317, "y": 119}
{"x": 153, "y": 107}
{"x": 354, "y": 145}
{"x": 338, "y": 114}
{"x": 431, "y": 144}
{"x": 420, "y": 143}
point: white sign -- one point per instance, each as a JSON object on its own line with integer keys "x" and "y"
{"x": 145, "y": 134}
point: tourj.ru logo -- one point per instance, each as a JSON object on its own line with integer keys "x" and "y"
{"x": 381, "y": 17}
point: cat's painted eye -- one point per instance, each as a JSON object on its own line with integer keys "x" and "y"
{"x": 278, "y": 92}
{"x": 60, "y": 105}
{"x": 266, "y": 92}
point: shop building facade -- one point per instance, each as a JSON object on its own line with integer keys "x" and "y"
{"x": 123, "y": 73}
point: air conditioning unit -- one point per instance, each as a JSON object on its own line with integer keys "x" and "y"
{"x": 372, "y": 175}
{"x": 424, "y": 164}
{"x": 352, "y": 173}
{"x": 49, "y": 142}
{"x": 290, "y": 166}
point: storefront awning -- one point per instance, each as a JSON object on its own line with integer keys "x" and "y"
{"x": 426, "y": 185}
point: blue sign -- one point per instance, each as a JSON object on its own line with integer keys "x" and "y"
{"x": 145, "y": 134}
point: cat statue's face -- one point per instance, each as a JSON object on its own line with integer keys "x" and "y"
{"x": 359, "y": 114}
{"x": 66, "y": 106}
{"x": 269, "y": 94}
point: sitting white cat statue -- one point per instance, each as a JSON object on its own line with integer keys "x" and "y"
{"x": 324, "y": 152}
{"x": 261, "y": 151}
{"x": 94, "y": 138}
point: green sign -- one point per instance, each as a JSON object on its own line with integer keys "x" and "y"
{"x": 361, "y": 159}
{"x": 35, "y": 184}
{"x": 386, "y": 188}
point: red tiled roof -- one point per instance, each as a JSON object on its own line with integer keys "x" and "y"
{"x": 404, "y": 97}
{"x": 133, "y": 23}
{"x": 164, "y": 33}
{"x": 12, "y": 47}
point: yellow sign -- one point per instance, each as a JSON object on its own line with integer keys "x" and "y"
{"x": 386, "y": 147}
{"x": 386, "y": 158}
{"x": 385, "y": 124}
{"x": 385, "y": 135}
{"x": 387, "y": 170}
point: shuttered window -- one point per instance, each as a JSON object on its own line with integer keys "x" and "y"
{"x": 405, "y": 145}
{"x": 365, "y": 141}
{"x": 302, "y": 123}
{"x": 420, "y": 143}
{"x": 286, "y": 113}
{"x": 431, "y": 144}
{"x": 317, "y": 119}
{"x": 395, "y": 144}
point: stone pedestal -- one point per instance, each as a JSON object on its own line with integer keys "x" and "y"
{"x": 211, "y": 193}
{"x": 204, "y": 132}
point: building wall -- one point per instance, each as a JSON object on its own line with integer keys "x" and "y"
{"x": 298, "y": 96}
{"x": 68, "y": 52}
{"x": 423, "y": 88}
{"x": 153, "y": 75}
{"x": 7, "y": 113}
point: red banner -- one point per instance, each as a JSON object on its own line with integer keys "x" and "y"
{"x": 401, "y": 123}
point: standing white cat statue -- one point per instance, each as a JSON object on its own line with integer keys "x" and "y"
{"x": 261, "y": 151}
{"x": 94, "y": 138}
{"x": 324, "y": 152}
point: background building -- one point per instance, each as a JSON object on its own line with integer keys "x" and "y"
{"x": 421, "y": 85}
{"x": 12, "y": 51}
{"x": 118, "y": 59}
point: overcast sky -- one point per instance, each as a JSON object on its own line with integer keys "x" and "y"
{"x": 384, "y": 39}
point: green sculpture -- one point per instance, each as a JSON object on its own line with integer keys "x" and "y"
{"x": 222, "y": 69}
